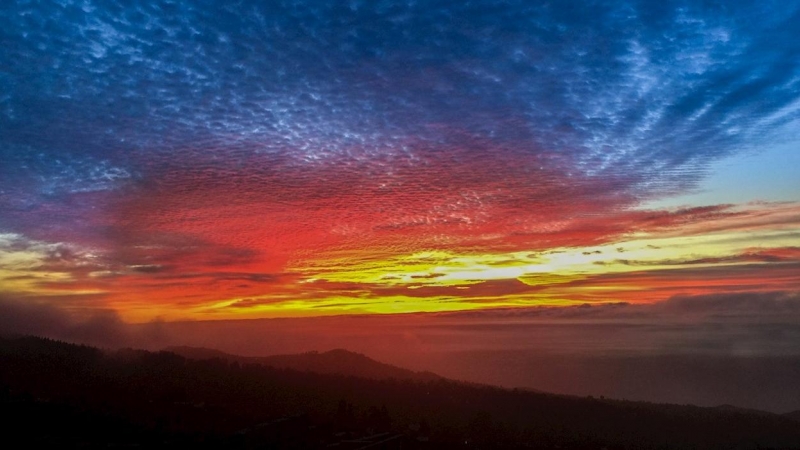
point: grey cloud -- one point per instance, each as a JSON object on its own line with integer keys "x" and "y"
{"x": 777, "y": 308}
{"x": 148, "y": 268}
{"x": 27, "y": 316}
{"x": 749, "y": 304}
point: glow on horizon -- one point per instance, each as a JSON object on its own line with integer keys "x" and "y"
{"x": 762, "y": 238}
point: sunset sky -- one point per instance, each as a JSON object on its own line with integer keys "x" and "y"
{"x": 221, "y": 160}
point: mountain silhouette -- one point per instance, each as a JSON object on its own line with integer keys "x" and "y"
{"x": 79, "y": 396}
{"x": 337, "y": 361}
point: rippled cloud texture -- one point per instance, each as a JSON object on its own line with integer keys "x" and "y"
{"x": 213, "y": 159}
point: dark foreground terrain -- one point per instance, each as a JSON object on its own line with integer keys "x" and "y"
{"x": 58, "y": 395}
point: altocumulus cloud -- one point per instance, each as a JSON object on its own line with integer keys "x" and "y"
{"x": 137, "y": 130}
{"x": 655, "y": 88}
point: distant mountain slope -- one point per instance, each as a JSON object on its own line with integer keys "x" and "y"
{"x": 78, "y": 396}
{"x": 338, "y": 361}
{"x": 736, "y": 409}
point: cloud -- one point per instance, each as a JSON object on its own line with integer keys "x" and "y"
{"x": 104, "y": 328}
{"x": 762, "y": 255}
{"x": 232, "y": 143}
{"x": 172, "y": 156}
{"x": 638, "y": 95}
{"x": 776, "y": 309}
{"x": 785, "y": 305}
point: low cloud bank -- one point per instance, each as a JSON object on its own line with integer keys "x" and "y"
{"x": 102, "y": 328}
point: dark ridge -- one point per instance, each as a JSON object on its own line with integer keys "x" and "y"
{"x": 337, "y": 361}
{"x": 78, "y": 396}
